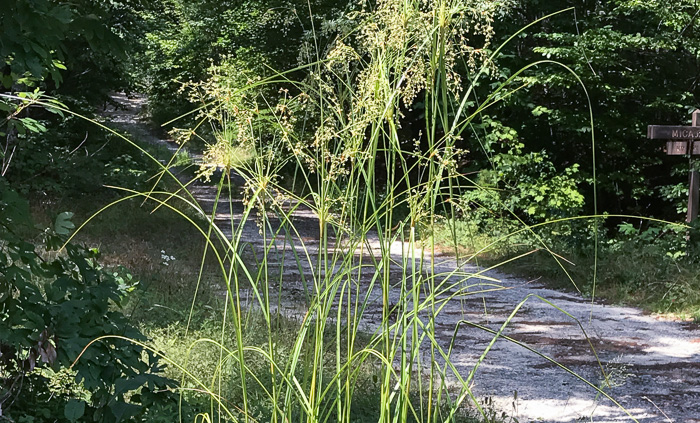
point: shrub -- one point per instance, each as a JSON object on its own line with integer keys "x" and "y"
{"x": 52, "y": 305}
{"x": 527, "y": 186}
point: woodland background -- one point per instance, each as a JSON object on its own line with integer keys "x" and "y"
{"x": 626, "y": 63}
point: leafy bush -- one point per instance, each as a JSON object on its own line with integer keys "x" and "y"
{"x": 63, "y": 154}
{"x": 527, "y": 186}
{"x": 74, "y": 51}
{"x": 52, "y": 305}
{"x": 75, "y": 48}
{"x": 633, "y": 57}
{"x": 261, "y": 37}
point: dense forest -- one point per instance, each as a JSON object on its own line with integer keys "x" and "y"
{"x": 628, "y": 65}
{"x": 490, "y": 128}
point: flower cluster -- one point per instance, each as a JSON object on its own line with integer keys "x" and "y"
{"x": 166, "y": 259}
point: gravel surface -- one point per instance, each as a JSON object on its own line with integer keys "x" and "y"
{"x": 653, "y": 364}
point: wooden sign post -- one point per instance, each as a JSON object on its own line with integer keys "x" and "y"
{"x": 681, "y": 141}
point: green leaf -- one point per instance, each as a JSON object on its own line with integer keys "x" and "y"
{"x": 74, "y": 409}
{"x": 33, "y": 125}
{"x": 124, "y": 385}
{"x": 7, "y": 80}
{"x": 63, "y": 225}
{"x": 123, "y": 411}
{"x": 58, "y": 65}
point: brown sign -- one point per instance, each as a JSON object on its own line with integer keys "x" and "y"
{"x": 680, "y": 148}
{"x": 681, "y": 142}
{"x": 664, "y": 132}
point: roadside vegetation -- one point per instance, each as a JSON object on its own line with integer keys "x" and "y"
{"x": 490, "y": 130}
{"x": 648, "y": 266}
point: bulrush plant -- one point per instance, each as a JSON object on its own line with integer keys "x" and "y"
{"x": 339, "y": 133}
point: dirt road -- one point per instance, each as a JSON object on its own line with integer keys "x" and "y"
{"x": 653, "y": 364}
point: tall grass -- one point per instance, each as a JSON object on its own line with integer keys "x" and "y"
{"x": 339, "y": 134}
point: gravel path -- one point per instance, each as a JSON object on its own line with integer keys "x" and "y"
{"x": 654, "y": 364}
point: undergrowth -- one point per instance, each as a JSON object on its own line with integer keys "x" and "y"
{"x": 653, "y": 268}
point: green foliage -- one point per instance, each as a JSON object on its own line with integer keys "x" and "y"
{"x": 32, "y": 40}
{"x": 186, "y": 38}
{"x": 42, "y": 39}
{"x": 664, "y": 278}
{"x": 59, "y": 154}
{"x": 69, "y": 53}
{"x": 637, "y": 61}
{"x": 51, "y": 307}
{"x": 14, "y": 106}
{"x": 526, "y": 186}
{"x": 17, "y": 124}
